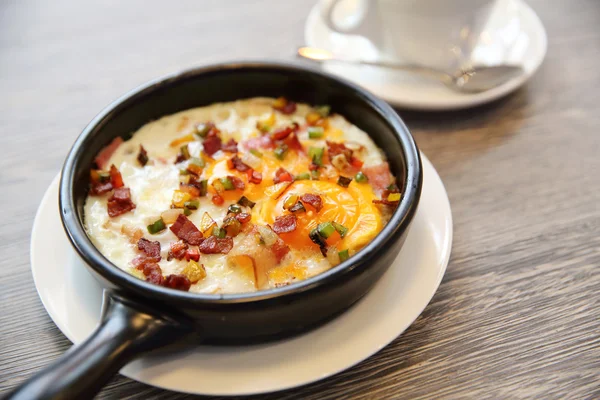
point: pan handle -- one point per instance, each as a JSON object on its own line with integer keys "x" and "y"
{"x": 127, "y": 329}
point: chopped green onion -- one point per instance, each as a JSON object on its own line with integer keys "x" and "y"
{"x": 192, "y": 204}
{"x": 316, "y": 155}
{"x": 244, "y": 201}
{"x": 316, "y": 237}
{"x": 202, "y": 130}
{"x": 343, "y": 255}
{"x": 203, "y": 187}
{"x": 298, "y": 207}
{"x": 156, "y": 226}
{"x": 315, "y": 132}
{"x": 187, "y": 212}
{"x": 325, "y": 229}
{"x": 393, "y": 188}
{"x": 361, "y": 178}
{"x": 185, "y": 152}
{"x": 219, "y": 232}
{"x": 343, "y": 181}
{"x": 234, "y": 209}
{"x": 231, "y": 226}
{"x": 323, "y": 111}
{"x": 341, "y": 229}
{"x": 302, "y": 177}
{"x": 280, "y": 151}
{"x": 197, "y": 161}
{"x": 227, "y": 183}
{"x": 256, "y": 153}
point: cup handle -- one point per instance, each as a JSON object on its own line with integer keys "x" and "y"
{"x": 366, "y": 21}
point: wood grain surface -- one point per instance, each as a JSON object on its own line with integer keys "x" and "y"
{"x": 518, "y": 312}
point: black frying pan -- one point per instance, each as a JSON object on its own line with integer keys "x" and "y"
{"x": 138, "y": 316}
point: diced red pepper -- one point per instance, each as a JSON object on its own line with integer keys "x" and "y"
{"x": 218, "y": 200}
{"x": 115, "y": 177}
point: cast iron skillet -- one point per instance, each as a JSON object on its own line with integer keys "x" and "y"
{"x": 138, "y": 316}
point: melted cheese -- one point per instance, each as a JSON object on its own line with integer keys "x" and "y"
{"x": 152, "y": 189}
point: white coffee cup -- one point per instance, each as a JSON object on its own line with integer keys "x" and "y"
{"x": 436, "y": 33}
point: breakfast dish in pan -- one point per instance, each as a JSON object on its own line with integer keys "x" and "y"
{"x": 239, "y": 196}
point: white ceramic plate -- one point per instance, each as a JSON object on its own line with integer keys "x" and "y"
{"x": 513, "y": 35}
{"x": 72, "y": 297}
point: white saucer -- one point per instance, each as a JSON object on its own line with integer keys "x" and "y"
{"x": 513, "y": 35}
{"x": 72, "y": 297}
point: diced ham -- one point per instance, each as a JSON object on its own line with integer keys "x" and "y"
{"x": 231, "y": 146}
{"x": 102, "y": 158}
{"x": 212, "y": 144}
{"x": 285, "y": 223}
{"x": 313, "y": 199}
{"x": 120, "y": 202}
{"x": 100, "y": 188}
{"x": 215, "y": 245}
{"x": 192, "y": 253}
{"x": 177, "y": 250}
{"x": 178, "y": 282}
{"x": 379, "y": 176}
{"x": 238, "y": 164}
{"x": 237, "y": 182}
{"x": 185, "y": 230}
{"x": 151, "y": 249}
{"x": 261, "y": 142}
{"x": 254, "y": 176}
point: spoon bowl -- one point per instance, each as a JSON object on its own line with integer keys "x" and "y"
{"x": 476, "y": 79}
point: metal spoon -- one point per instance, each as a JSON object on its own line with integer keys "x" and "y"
{"x": 476, "y": 79}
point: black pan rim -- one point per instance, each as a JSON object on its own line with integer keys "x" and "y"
{"x": 391, "y": 232}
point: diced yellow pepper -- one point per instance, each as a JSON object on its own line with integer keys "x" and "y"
{"x": 393, "y": 197}
{"x": 280, "y": 102}
{"x": 312, "y": 118}
{"x": 179, "y": 198}
{"x": 194, "y": 272}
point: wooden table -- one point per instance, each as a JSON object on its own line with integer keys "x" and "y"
{"x": 518, "y": 312}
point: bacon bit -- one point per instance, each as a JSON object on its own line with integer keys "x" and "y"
{"x": 153, "y": 273}
{"x": 212, "y": 144}
{"x": 356, "y": 163}
{"x": 280, "y": 250}
{"x": 294, "y": 143}
{"x": 261, "y": 142}
{"x": 313, "y": 199}
{"x": 120, "y": 202}
{"x": 282, "y": 133}
{"x": 215, "y": 245}
{"x": 115, "y": 177}
{"x": 185, "y": 230}
{"x": 178, "y": 282}
{"x": 284, "y": 105}
{"x": 190, "y": 189}
{"x": 237, "y": 182}
{"x": 100, "y": 188}
{"x": 237, "y": 163}
{"x": 177, "y": 250}
{"x": 254, "y": 176}
{"x": 105, "y": 154}
{"x": 379, "y": 176}
{"x": 142, "y": 156}
{"x": 231, "y": 146}
{"x": 192, "y": 254}
{"x": 281, "y": 175}
{"x": 151, "y": 249}
{"x": 218, "y": 200}
{"x": 334, "y": 149}
{"x": 285, "y": 223}
{"x": 243, "y": 217}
